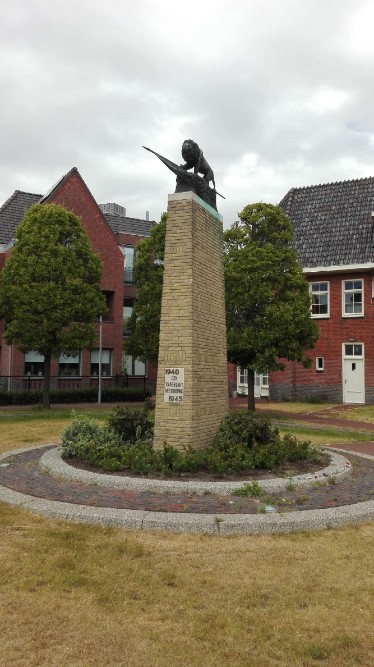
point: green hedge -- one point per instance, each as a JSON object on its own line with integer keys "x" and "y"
{"x": 88, "y": 395}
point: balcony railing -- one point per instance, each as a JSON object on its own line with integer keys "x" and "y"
{"x": 129, "y": 277}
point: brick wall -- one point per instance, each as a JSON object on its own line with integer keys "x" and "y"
{"x": 74, "y": 195}
{"x": 297, "y": 382}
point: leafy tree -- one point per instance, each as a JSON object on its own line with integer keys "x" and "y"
{"x": 267, "y": 295}
{"x": 144, "y": 324}
{"x": 50, "y": 287}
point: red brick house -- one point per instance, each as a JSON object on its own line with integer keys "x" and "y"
{"x": 333, "y": 228}
{"x": 113, "y": 237}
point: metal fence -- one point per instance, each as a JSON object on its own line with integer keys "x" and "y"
{"x": 31, "y": 383}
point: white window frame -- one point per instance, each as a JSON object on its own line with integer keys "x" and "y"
{"x": 34, "y": 360}
{"x": 320, "y": 364}
{"x": 327, "y": 291}
{"x": 243, "y": 376}
{"x": 66, "y": 360}
{"x": 354, "y": 355}
{"x": 352, "y": 291}
{"x": 106, "y": 362}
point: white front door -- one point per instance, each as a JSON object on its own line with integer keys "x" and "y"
{"x": 353, "y": 373}
{"x": 261, "y": 383}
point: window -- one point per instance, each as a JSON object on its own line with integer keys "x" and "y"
{"x": 243, "y": 375}
{"x": 353, "y": 350}
{"x": 128, "y": 305}
{"x": 109, "y": 301}
{"x": 265, "y": 379}
{"x": 353, "y": 302}
{"x": 34, "y": 363}
{"x": 69, "y": 365}
{"x": 320, "y": 364}
{"x": 134, "y": 366}
{"x": 129, "y": 259}
{"x": 106, "y": 362}
{"x": 320, "y": 299}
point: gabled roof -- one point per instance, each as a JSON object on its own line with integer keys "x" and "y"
{"x": 12, "y": 212}
{"x": 123, "y": 225}
{"x": 332, "y": 223}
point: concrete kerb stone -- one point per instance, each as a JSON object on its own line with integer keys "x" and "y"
{"x": 221, "y": 524}
{"x": 52, "y": 463}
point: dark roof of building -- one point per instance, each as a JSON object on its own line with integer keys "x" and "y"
{"x": 123, "y": 225}
{"x": 12, "y": 212}
{"x": 332, "y": 223}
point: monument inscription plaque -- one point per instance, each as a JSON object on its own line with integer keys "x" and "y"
{"x": 174, "y": 385}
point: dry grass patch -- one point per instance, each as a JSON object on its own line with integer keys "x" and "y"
{"x": 14, "y": 434}
{"x": 74, "y": 595}
{"x": 363, "y": 414}
{"x": 324, "y": 436}
{"x": 31, "y": 429}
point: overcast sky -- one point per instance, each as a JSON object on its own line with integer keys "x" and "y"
{"x": 277, "y": 93}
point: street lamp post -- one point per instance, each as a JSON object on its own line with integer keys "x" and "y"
{"x": 100, "y": 350}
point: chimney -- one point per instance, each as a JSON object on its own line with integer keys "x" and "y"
{"x": 147, "y": 215}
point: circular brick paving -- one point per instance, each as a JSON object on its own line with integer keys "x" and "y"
{"x": 24, "y": 482}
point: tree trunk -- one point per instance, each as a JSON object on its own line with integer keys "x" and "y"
{"x": 47, "y": 381}
{"x": 251, "y": 390}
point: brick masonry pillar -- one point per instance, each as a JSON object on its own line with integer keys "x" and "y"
{"x": 192, "y": 400}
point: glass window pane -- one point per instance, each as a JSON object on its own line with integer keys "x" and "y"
{"x": 69, "y": 365}
{"x": 129, "y": 257}
{"x": 105, "y": 356}
{"x": 243, "y": 376}
{"x": 34, "y": 363}
{"x": 33, "y": 356}
{"x": 320, "y": 298}
{"x": 139, "y": 367}
{"x": 106, "y": 362}
{"x": 127, "y": 363}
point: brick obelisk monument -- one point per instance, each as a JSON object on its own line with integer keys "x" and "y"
{"x": 192, "y": 393}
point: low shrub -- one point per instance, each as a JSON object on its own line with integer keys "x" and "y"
{"x": 245, "y": 429}
{"x": 131, "y": 425}
{"x": 86, "y": 438}
{"x": 125, "y": 443}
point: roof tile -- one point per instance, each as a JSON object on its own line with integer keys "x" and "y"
{"x": 332, "y": 223}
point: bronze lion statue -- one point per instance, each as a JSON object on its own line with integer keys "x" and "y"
{"x": 194, "y": 158}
